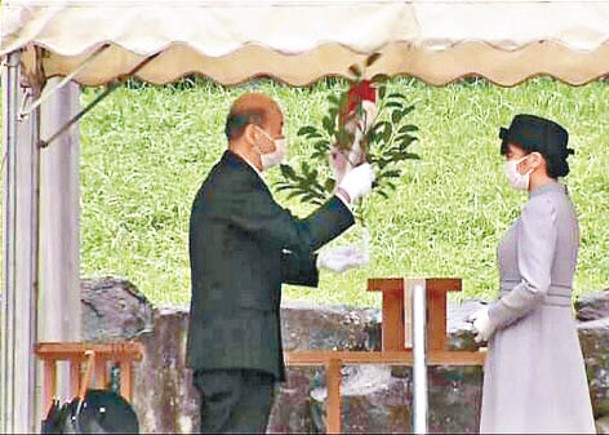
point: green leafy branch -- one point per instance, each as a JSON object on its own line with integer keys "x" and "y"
{"x": 305, "y": 184}
{"x": 386, "y": 144}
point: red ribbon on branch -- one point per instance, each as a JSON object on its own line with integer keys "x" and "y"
{"x": 362, "y": 91}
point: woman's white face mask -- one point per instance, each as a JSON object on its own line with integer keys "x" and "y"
{"x": 517, "y": 180}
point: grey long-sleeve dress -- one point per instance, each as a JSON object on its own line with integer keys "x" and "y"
{"x": 534, "y": 376}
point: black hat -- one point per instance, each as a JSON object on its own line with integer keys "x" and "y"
{"x": 533, "y": 133}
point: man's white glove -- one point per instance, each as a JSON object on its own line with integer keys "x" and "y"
{"x": 340, "y": 259}
{"x": 358, "y": 181}
{"x": 342, "y": 161}
{"x": 482, "y": 324}
{"x": 339, "y": 164}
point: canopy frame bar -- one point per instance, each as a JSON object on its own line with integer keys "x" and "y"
{"x": 116, "y": 83}
{"x": 50, "y": 92}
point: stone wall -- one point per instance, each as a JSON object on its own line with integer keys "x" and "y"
{"x": 375, "y": 398}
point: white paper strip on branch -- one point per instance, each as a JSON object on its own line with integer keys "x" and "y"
{"x": 298, "y": 42}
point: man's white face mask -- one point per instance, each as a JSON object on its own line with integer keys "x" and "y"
{"x": 517, "y": 180}
{"x": 276, "y": 157}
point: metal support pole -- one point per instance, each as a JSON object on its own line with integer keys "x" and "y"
{"x": 19, "y": 318}
{"x": 10, "y": 100}
{"x": 29, "y": 396}
{"x": 420, "y": 405}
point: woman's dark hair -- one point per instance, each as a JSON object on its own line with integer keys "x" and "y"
{"x": 535, "y": 134}
{"x": 556, "y": 163}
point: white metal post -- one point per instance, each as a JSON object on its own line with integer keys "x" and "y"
{"x": 419, "y": 316}
{"x": 19, "y": 308}
{"x": 10, "y": 82}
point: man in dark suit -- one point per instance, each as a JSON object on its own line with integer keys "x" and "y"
{"x": 243, "y": 246}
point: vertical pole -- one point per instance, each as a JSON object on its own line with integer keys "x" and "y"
{"x": 333, "y": 381}
{"x": 407, "y": 314}
{"x": 101, "y": 373}
{"x": 10, "y": 85}
{"x": 437, "y": 292}
{"x": 393, "y": 311}
{"x": 420, "y": 356}
{"x": 50, "y": 381}
{"x": 60, "y": 306}
{"x": 126, "y": 379}
{"x": 74, "y": 376}
{"x": 31, "y": 393}
{"x": 59, "y": 204}
{"x": 19, "y": 321}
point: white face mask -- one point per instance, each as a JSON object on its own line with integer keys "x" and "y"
{"x": 517, "y": 180}
{"x": 277, "y": 157}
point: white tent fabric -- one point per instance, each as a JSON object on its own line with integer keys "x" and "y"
{"x": 506, "y": 41}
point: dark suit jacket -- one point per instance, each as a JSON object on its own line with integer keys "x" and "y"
{"x": 243, "y": 246}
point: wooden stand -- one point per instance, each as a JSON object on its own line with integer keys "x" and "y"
{"x": 100, "y": 355}
{"x": 396, "y": 347}
{"x": 397, "y": 326}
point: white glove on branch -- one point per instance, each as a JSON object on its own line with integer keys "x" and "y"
{"x": 343, "y": 161}
{"x": 339, "y": 163}
{"x": 340, "y": 259}
{"x": 358, "y": 181}
{"x": 482, "y": 324}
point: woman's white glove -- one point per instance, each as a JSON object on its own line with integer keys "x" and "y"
{"x": 483, "y": 327}
{"x": 340, "y": 259}
{"x": 358, "y": 181}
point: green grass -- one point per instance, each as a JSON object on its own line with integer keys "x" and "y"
{"x": 145, "y": 151}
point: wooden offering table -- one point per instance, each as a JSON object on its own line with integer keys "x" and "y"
{"x": 396, "y": 338}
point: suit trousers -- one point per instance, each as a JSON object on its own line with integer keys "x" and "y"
{"x": 234, "y": 400}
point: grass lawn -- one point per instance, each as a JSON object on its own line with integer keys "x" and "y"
{"x": 145, "y": 151}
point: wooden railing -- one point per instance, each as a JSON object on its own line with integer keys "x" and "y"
{"x": 396, "y": 348}
{"x": 105, "y": 355}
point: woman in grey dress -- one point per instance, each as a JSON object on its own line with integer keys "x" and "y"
{"x": 534, "y": 375}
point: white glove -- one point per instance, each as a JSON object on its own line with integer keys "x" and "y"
{"x": 342, "y": 162}
{"x": 482, "y": 324}
{"x": 370, "y": 112}
{"x": 358, "y": 181}
{"x": 339, "y": 164}
{"x": 340, "y": 259}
